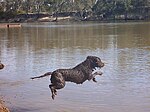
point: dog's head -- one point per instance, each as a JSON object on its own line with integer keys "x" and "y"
{"x": 1, "y": 65}
{"x": 95, "y": 61}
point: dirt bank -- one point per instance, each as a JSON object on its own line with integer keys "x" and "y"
{"x": 3, "y": 108}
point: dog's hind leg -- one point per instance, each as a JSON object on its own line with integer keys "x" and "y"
{"x": 53, "y": 90}
{"x": 56, "y": 86}
{"x": 57, "y": 82}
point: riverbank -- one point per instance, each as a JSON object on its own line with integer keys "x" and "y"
{"x": 3, "y": 108}
{"x": 23, "y": 18}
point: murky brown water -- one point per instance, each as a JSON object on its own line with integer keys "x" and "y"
{"x": 38, "y": 48}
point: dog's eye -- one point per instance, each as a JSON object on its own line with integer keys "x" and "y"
{"x": 97, "y": 59}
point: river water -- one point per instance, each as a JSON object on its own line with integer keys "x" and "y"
{"x": 36, "y": 48}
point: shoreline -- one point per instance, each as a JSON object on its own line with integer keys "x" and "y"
{"x": 24, "y": 18}
{"x": 3, "y": 108}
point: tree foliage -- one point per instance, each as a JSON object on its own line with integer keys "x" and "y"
{"x": 103, "y": 8}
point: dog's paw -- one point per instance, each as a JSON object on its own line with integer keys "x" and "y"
{"x": 98, "y": 73}
{"x": 53, "y": 96}
{"x": 94, "y": 79}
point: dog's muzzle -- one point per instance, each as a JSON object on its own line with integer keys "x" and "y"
{"x": 100, "y": 65}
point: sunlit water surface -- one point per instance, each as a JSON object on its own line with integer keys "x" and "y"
{"x": 38, "y": 48}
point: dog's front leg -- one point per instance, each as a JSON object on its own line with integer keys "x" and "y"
{"x": 94, "y": 79}
{"x": 97, "y": 73}
{"x": 94, "y": 74}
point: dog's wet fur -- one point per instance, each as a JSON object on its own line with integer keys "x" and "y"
{"x": 78, "y": 74}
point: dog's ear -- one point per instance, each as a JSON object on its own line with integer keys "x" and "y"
{"x": 89, "y": 57}
{"x": 94, "y": 58}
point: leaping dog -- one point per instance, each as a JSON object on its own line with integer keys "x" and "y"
{"x": 78, "y": 74}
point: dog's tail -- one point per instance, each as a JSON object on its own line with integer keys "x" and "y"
{"x": 41, "y": 76}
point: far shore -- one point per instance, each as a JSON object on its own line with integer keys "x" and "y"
{"x": 25, "y": 18}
